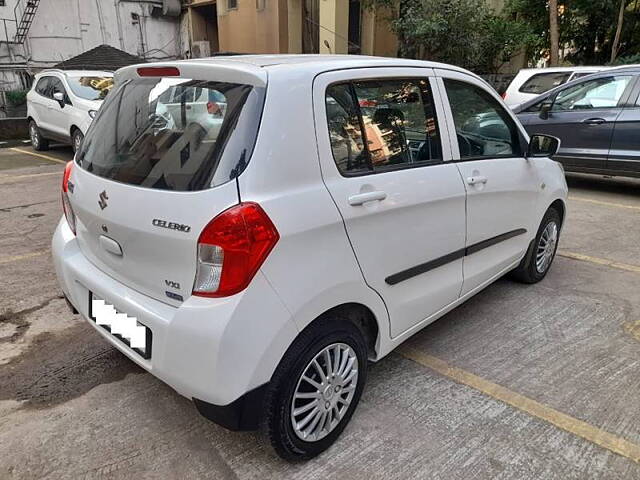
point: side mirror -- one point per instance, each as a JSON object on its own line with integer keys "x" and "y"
{"x": 59, "y": 97}
{"x": 545, "y": 109}
{"x": 543, "y": 146}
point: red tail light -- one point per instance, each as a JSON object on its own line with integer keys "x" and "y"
{"x": 158, "y": 72}
{"x": 66, "y": 204}
{"x": 232, "y": 248}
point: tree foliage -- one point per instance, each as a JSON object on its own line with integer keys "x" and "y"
{"x": 462, "y": 32}
{"x": 587, "y": 28}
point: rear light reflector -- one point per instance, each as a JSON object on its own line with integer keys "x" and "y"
{"x": 66, "y": 204}
{"x": 232, "y": 248}
{"x": 158, "y": 72}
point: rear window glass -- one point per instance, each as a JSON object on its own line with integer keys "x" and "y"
{"x": 543, "y": 82}
{"x": 173, "y": 133}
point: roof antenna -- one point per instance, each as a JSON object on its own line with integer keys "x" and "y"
{"x": 326, "y": 44}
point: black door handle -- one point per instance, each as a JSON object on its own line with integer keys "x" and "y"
{"x": 594, "y": 121}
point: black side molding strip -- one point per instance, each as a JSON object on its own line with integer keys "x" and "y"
{"x": 451, "y": 257}
{"x": 475, "y": 248}
{"x": 424, "y": 267}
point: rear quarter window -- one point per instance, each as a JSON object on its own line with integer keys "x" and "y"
{"x": 543, "y": 82}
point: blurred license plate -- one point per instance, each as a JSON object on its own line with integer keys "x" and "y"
{"x": 121, "y": 326}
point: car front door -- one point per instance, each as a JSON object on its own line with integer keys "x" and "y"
{"x": 59, "y": 116}
{"x": 402, "y": 200}
{"x": 582, "y": 116}
{"x": 502, "y": 185}
{"x": 624, "y": 155}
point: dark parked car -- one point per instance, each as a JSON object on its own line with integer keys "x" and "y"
{"x": 597, "y": 118}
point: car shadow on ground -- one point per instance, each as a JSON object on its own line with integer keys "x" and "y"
{"x": 604, "y": 184}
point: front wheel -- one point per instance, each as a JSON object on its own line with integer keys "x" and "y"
{"x": 316, "y": 389}
{"x": 538, "y": 260}
{"x": 76, "y": 140}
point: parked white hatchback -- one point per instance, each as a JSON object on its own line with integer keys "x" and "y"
{"x": 531, "y": 82}
{"x": 62, "y": 104}
{"x": 342, "y": 204}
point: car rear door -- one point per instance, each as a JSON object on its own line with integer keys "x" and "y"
{"x": 624, "y": 155}
{"x": 502, "y": 185}
{"x": 582, "y": 116}
{"x": 40, "y": 102}
{"x": 379, "y": 137}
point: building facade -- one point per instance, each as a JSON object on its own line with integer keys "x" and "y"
{"x": 36, "y": 34}
{"x": 287, "y": 26}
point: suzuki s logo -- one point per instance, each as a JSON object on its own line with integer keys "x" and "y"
{"x": 103, "y": 200}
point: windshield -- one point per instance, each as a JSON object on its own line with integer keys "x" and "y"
{"x": 173, "y": 133}
{"x": 91, "y": 88}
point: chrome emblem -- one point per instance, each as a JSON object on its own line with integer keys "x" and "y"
{"x": 103, "y": 200}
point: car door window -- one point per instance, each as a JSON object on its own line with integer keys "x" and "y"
{"x": 375, "y": 125}
{"x": 593, "y": 94}
{"x": 58, "y": 87}
{"x": 483, "y": 128}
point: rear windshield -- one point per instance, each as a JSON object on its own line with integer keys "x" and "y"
{"x": 543, "y": 82}
{"x": 173, "y": 133}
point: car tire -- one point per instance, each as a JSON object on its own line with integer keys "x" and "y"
{"x": 38, "y": 142}
{"x": 542, "y": 251}
{"x": 76, "y": 140}
{"x": 333, "y": 399}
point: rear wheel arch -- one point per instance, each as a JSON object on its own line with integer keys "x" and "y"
{"x": 361, "y": 316}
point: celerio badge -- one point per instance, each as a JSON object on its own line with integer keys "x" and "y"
{"x": 171, "y": 225}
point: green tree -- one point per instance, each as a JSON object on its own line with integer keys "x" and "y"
{"x": 462, "y": 32}
{"x": 587, "y": 28}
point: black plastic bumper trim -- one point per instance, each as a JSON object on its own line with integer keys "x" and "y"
{"x": 243, "y": 414}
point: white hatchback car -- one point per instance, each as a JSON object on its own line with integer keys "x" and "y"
{"x": 531, "y": 82}
{"x": 342, "y": 204}
{"x": 62, "y": 104}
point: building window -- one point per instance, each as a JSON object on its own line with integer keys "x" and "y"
{"x": 232, "y": 4}
{"x": 2, "y": 3}
{"x": 260, "y": 4}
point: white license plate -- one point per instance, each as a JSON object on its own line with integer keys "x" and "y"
{"x": 120, "y": 325}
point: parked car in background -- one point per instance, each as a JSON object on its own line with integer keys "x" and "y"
{"x": 284, "y": 237}
{"x": 62, "y": 104}
{"x": 531, "y": 82}
{"x": 597, "y": 119}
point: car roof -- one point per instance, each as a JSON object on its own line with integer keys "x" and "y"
{"x": 256, "y": 69}
{"x": 592, "y": 68}
{"x": 75, "y": 73}
{"x": 320, "y": 61}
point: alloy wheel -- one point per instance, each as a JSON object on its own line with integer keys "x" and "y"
{"x": 324, "y": 392}
{"x": 33, "y": 133}
{"x": 546, "y": 247}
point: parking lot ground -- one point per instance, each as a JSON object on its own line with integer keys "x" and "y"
{"x": 521, "y": 382}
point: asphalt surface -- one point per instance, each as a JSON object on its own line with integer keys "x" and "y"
{"x": 521, "y": 382}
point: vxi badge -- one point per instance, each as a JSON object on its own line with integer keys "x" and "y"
{"x": 171, "y": 225}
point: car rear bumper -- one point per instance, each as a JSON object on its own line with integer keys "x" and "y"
{"x": 214, "y": 350}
